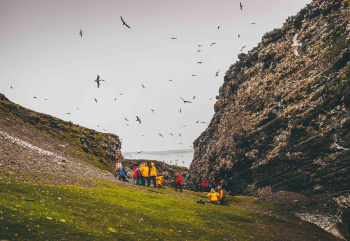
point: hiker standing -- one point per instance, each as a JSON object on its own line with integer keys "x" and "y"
{"x": 137, "y": 175}
{"x": 213, "y": 196}
{"x": 153, "y": 174}
{"x": 118, "y": 167}
{"x": 204, "y": 185}
{"x": 178, "y": 181}
{"x": 222, "y": 194}
{"x": 145, "y": 174}
{"x": 122, "y": 174}
{"x": 223, "y": 184}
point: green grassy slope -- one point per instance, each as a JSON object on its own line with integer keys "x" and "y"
{"x": 114, "y": 211}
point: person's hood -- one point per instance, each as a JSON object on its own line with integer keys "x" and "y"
{"x": 152, "y": 164}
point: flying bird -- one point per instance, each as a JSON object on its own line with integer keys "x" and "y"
{"x": 194, "y": 75}
{"x": 171, "y": 134}
{"x": 239, "y": 35}
{"x": 296, "y": 44}
{"x": 200, "y": 63}
{"x": 115, "y": 99}
{"x": 68, "y": 113}
{"x": 171, "y": 80}
{"x": 81, "y": 33}
{"x": 217, "y": 73}
{"x": 11, "y": 86}
{"x": 124, "y": 23}
{"x": 253, "y": 23}
{"x": 77, "y": 108}
{"x": 126, "y": 119}
{"x": 185, "y": 101}
{"x": 184, "y": 126}
{"x": 212, "y": 44}
{"x": 34, "y": 97}
{"x": 152, "y": 110}
{"x": 95, "y": 100}
{"x": 179, "y": 134}
{"x": 161, "y": 135}
{"x": 173, "y": 38}
{"x": 243, "y": 47}
{"x": 241, "y": 6}
{"x": 138, "y": 119}
{"x": 194, "y": 97}
{"x": 45, "y": 99}
{"x": 218, "y": 27}
{"x": 180, "y": 142}
{"x": 198, "y": 50}
{"x": 98, "y": 81}
{"x": 143, "y": 86}
{"x": 180, "y": 110}
{"x": 199, "y": 45}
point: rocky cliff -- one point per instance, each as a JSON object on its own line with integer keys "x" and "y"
{"x": 281, "y": 125}
{"x": 58, "y": 136}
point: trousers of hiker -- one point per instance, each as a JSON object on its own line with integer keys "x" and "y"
{"x": 153, "y": 174}
{"x": 178, "y": 182}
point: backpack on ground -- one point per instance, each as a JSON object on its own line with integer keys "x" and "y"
{"x": 201, "y": 201}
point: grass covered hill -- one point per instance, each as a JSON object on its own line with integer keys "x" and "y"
{"x": 58, "y": 136}
{"x": 114, "y": 211}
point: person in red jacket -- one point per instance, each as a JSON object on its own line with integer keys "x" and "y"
{"x": 137, "y": 174}
{"x": 178, "y": 181}
{"x": 205, "y": 185}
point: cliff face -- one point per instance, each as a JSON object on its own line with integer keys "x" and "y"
{"x": 282, "y": 121}
{"x": 98, "y": 149}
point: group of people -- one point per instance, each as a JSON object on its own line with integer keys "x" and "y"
{"x": 144, "y": 174}
{"x": 219, "y": 196}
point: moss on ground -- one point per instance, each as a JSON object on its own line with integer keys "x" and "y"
{"x": 127, "y": 212}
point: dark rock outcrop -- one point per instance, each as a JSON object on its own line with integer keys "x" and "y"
{"x": 282, "y": 122}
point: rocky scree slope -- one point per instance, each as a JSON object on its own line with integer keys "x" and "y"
{"x": 281, "y": 122}
{"x": 100, "y": 149}
{"x": 40, "y": 148}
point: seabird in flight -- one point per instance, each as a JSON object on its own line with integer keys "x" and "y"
{"x": 124, "y": 23}
{"x": 185, "y": 101}
{"x": 98, "y": 81}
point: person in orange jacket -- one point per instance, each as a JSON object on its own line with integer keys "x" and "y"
{"x": 213, "y": 196}
{"x": 152, "y": 174}
{"x": 178, "y": 181}
{"x": 160, "y": 181}
{"x": 222, "y": 194}
{"x": 145, "y": 174}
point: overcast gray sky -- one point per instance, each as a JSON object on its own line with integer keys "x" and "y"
{"x": 43, "y": 55}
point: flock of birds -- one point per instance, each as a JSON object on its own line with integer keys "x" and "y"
{"x": 98, "y": 80}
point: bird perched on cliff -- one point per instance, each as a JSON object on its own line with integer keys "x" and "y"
{"x": 98, "y": 81}
{"x": 81, "y": 33}
{"x": 138, "y": 119}
{"x": 296, "y": 44}
{"x": 217, "y": 73}
{"x": 185, "y": 101}
{"x": 124, "y": 23}
{"x": 240, "y": 6}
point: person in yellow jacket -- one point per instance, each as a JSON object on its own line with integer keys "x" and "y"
{"x": 213, "y": 196}
{"x": 145, "y": 174}
{"x": 152, "y": 174}
{"x": 160, "y": 181}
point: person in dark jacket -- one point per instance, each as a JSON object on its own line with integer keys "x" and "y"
{"x": 178, "y": 182}
{"x": 122, "y": 174}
